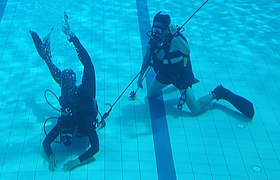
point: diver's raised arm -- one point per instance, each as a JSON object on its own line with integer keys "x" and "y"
{"x": 88, "y": 80}
{"x": 55, "y": 71}
{"x": 82, "y": 53}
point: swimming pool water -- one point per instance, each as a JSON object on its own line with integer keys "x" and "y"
{"x": 234, "y": 43}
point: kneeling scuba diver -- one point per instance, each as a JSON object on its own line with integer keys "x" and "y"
{"x": 160, "y": 42}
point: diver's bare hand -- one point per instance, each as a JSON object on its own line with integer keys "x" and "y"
{"x": 70, "y": 165}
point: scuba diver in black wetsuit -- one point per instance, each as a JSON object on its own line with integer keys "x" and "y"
{"x": 169, "y": 55}
{"x": 78, "y": 105}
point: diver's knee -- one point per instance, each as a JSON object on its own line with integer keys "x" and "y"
{"x": 195, "y": 112}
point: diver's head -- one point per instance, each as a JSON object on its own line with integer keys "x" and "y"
{"x": 67, "y": 130}
{"x": 68, "y": 79}
{"x": 161, "y": 23}
{"x": 66, "y": 137}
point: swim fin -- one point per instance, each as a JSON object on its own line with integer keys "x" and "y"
{"x": 37, "y": 41}
{"x": 240, "y": 103}
{"x": 43, "y": 47}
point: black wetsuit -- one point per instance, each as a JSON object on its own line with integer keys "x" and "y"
{"x": 81, "y": 102}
